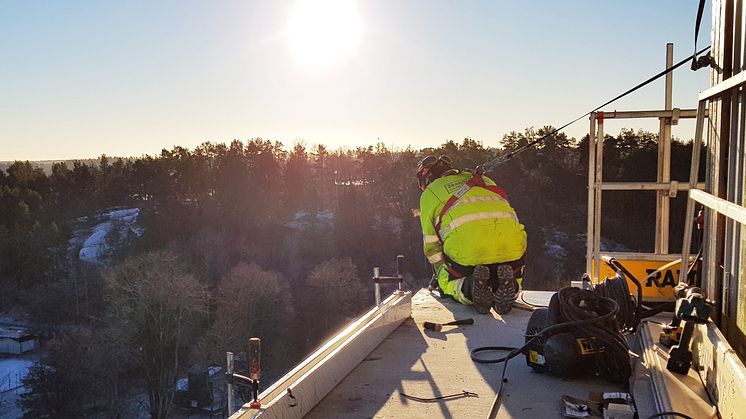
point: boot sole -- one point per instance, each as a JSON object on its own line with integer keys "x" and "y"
{"x": 482, "y": 293}
{"x": 506, "y": 291}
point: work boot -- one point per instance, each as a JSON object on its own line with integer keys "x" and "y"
{"x": 476, "y": 287}
{"x": 506, "y": 290}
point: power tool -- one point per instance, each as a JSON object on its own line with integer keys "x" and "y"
{"x": 577, "y": 334}
{"x": 562, "y": 354}
{"x": 692, "y": 308}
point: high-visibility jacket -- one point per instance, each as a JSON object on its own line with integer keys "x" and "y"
{"x": 480, "y": 227}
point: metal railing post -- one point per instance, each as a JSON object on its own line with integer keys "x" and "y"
{"x": 400, "y": 272}
{"x": 596, "y": 277}
{"x": 663, "y": 201}
{"x": 398, "y": 279}
{"x": 229, "y": 370}
{"x": 693, "y": 176}
{"x": 377, "y": 286}
{"x": 591, "y": 190}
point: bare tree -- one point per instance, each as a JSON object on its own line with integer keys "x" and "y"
{"x": 156, "y": 301}
{"x": 337, "y": 292}
{"x": 251, "y": 302}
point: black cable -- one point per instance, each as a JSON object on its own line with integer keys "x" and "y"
{"x": 435, "y": 399}
{"x": 625, "y": 273}
{"x": 700, "y": 11}
{"x": 694, "y": 263}
{"x": 490, "y": 349}
{"x": 668, "y": 306}
{"x": 500, "y": 160}
{"x": 618, "y": 343}
{"x": 498, "y": 397}
{"x": 604, "y": 317}
{"x": 677, "y": 414}
{"x": 617, "y": 289}
{"x": 696, "y": 259}
{"x": 700, "y": 246}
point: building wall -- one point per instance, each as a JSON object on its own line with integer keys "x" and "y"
{"x": 720, "y": 367}
{"x": 29, "y": 345}
{"x": 724, "y": 259}
{"x": 9, "y": 346}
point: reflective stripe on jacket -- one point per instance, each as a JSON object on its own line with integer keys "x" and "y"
{"x": 480, "y": 228}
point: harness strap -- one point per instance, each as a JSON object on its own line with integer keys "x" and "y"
{"x": 476, "y": 180}
{"x": 453, "y": 273}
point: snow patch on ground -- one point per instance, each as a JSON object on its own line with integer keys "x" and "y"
{"x": 607, "y": 245}
{"x": 95, "y": 244}
{"x": 94, "y": 240}
{"x": 182, "y": 384}
{"x": 612, "y": 246}
{"x": 555, "y": 243}
{"x": 12, "y": 371}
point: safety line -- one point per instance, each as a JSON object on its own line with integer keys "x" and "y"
{"x": 502, "y": 159}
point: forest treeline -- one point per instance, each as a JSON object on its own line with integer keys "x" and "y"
{"x": 250, "y": 239}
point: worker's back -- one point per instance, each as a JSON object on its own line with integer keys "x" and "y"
{"x": 479, "y": 228}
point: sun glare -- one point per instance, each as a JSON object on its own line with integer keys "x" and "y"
{"x": 322, "y": 33}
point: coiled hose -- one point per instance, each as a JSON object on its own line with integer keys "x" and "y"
{"x": 616, "y": 288}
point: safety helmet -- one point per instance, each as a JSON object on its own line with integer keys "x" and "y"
{"x": 431, "y": 168}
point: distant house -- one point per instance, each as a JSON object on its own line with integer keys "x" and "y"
{"x": 202, "y": 389}
{"x": 17, "y": 340}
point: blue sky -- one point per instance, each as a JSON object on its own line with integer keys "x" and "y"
{"x": 83, "y": 78}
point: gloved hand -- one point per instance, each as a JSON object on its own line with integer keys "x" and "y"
{"x": 433, "y": 285}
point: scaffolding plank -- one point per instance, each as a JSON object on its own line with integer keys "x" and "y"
{"x": 672, "y": 392}
{"x": 728, "y": 209}
{"x": 734, "y": 82}
{"x": 647, "y": 186}
{"x": 683, "y": 113}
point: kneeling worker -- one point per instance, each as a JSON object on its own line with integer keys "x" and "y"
{"x": 472, "y": 236}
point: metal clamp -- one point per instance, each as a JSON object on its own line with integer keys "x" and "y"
{"x": 398, "y": 279}
{"x": 673, "y": 189}
{"x": 675, "y": 114}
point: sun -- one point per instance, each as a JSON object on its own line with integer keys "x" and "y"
{"x": 323, "y": 33}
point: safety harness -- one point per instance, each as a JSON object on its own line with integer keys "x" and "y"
{"x": 476, "y": 180}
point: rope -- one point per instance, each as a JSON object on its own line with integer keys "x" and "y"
{"x": 502, "y": 159}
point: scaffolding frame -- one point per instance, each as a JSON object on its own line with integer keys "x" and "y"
{"x": 732, "y": 211}
{"x": 665, "y": 187}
